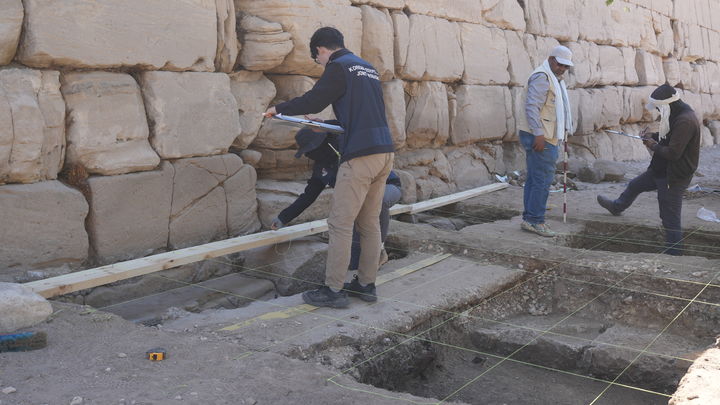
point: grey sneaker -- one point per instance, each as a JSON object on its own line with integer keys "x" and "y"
{"x": 608, "y": 204}
{"x": 540, "y": 229}
{"x": 354, "y": 289}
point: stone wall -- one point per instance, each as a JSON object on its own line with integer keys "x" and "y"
{"x": 140, "y": 130}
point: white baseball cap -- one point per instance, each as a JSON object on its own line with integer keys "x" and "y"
{"x": 562, "y": 55}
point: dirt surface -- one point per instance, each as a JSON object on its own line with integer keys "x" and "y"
{"x": 300, "y": 358}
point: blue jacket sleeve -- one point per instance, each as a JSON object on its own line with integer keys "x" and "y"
{"x": 314, "y": 187}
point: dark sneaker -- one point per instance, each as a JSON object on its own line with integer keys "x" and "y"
{"x": 540, "y": 229}
{"x": 366, "y": 293}
{"x": 608, "y": 204}
{"x": 325, "y": 297}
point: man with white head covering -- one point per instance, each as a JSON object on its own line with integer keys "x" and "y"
{"x": 542, "y": 129}
{"x": 676, "y": 150}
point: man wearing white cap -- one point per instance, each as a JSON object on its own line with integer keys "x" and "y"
{"x": 676, "y": 151}
{"x": 545, "y": 124}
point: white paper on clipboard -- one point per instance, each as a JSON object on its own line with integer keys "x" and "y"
{"x": 303, "y": 122}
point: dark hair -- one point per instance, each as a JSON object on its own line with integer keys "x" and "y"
{"x": 327, "y": 37}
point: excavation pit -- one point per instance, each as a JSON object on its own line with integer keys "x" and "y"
{"x": 551, "y": 338}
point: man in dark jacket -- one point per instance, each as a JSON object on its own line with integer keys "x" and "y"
{"x": 322, "y": 148}
{"x": 676, "y": 150}
{"x": 353, "y": 88}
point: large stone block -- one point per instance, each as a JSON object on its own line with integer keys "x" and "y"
{"x": 555, "y": 18}
{"x": 107, "y": 128}
{"x": 430, "y": 44}
{"x": 130, "y": 213}
{"x": 275, "y": 134}
{"x": 456, "y": 10}
{"x": 612, "y": 66}
{"x": 427, "y": 121}
{"x": 634, "y": 100}
{"x": 253, "y": 93}
{"x": 11, "y": 19}
{"x": 664, "y": 33}
{"x": 391, "y": 4}
{"x": 377, "y": 41}
{"x": 227, "y": 41}
{"x": 631, "y": 76}
{"x": 190, "y": 114}
{"x": 407, "y": 183}
{"x": 265, "y": 44}
{"x": 132, "y": 33}
{"x": 275, "y": 196}
{"x": 505, "y": 14}
{"x": 586, "y": 73}
{"x": 649, "y": 68}
{"x": 282, "y": 165}
{"x": 519, "y": 65}
{"x": 595, "y": 22}
{"x": 485, "y": 55}
{"x": 539, "y": 48}
{"x": 43, "y": 225}
{"x": 688, "y": 41}
{"x": 242, "y": 217}
{"x": 32, "y": 125}
{"x": 671, "y": 68}
{"x": 21, "y": 308}
{"x": 482, "y": 114}
{"x": 714, "y": 127}
{"x": 301, "y": 18}
{"x": 395, "y": 110}
{"x": 469, "y": 169}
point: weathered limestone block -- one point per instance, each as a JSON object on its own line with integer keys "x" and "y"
{"x": 714, "y": 127}
{"x": 191, "y": 114}
{"x": 645, "y": 26}
{"x": 431, "y": 43}
{"x": 664, "y": 33}
{"x": 401, "y": 43}
{"x": 664, "y": 7}
{"x": 35, "y": 217}
{"x": 599, "y": 108}
{"x": 242, "y": 216}
{"x": 251, "y": 157}
{"x": 21, "y": 308}
{"x": 485, "y": 55}
{"x": 427, "y": 121}
{"x": 706, "y": 137}
{"x": 11, "y": 19}
{"x": 274, "y": 134}
{"x": 631, "y": 76}
{"x": 139, "y": 36}
{"x": 688, "y": 41}
{"x": 482, "y": 114}
{"x": 282, "y": 165}
{"x": 391, "y": 4}
{"x": 265, "y": 44}
{"x": 377, "y": 41}
{"x": 649, "y": 69}
{"x": 416, "y": 157}
{"x": 596, "y": 23}
{"x": 587, "y": 72}
{"x": 32, "y": 125}
{"x": 253, "y": 93}
{"x": 519, "y": 65}
{"x": 275, "y": 196}
{"x": 107, "y": 128}
{"x": 695, "y": 101}
{"x": 456, "y": 10}
{"x": 555, "y": 18}
{"x": 130, "y": 213}
{"x": 686, "y": 72}
{"x": 407, "y": 184}
{"x": 539, "y": 48}
{"x": 199, "y": 206}
{"x": 431, "y": 187}
{"x": 712, "y": 74}
{"x": 714, "y": 45}
{"x": 468, "y": 167}
{"x": 671, "y": 68}
{"x": 606, "y": 146}
{"x": 394, "y": 97}
{"x": 227, "y": 42}
{"x": 634, "y": 100}
{"x": 685, "y": 12}
{"x": 700, "y": 83}
{"x": 505, "y": 14}
{"x": 301, "y": 18}
{"x": 612, "y": 66}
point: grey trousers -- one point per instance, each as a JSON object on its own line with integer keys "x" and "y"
{"x": 669, "y": 202}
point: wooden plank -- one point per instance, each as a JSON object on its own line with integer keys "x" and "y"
{"x": 305, "y": 308}
{"x": 98, "y": 276}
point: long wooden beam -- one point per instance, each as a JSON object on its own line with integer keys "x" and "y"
{"x": 98, "y": 276}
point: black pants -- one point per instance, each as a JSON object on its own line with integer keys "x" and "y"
{"x": 669, "y": 201}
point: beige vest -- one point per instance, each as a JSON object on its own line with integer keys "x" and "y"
{"x": 547, "y": 116}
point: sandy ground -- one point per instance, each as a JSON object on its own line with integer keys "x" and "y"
{"x": 98, "y": 358}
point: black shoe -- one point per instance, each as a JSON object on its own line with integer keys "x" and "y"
{"x": 325, "y": 297}
{"x": 366, "y": 293}
{"x": 608, "y": 204}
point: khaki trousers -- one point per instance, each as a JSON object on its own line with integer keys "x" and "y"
{"x": 357, "y": 201}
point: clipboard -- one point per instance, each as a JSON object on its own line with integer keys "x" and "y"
{"x": 302, "y": 122}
